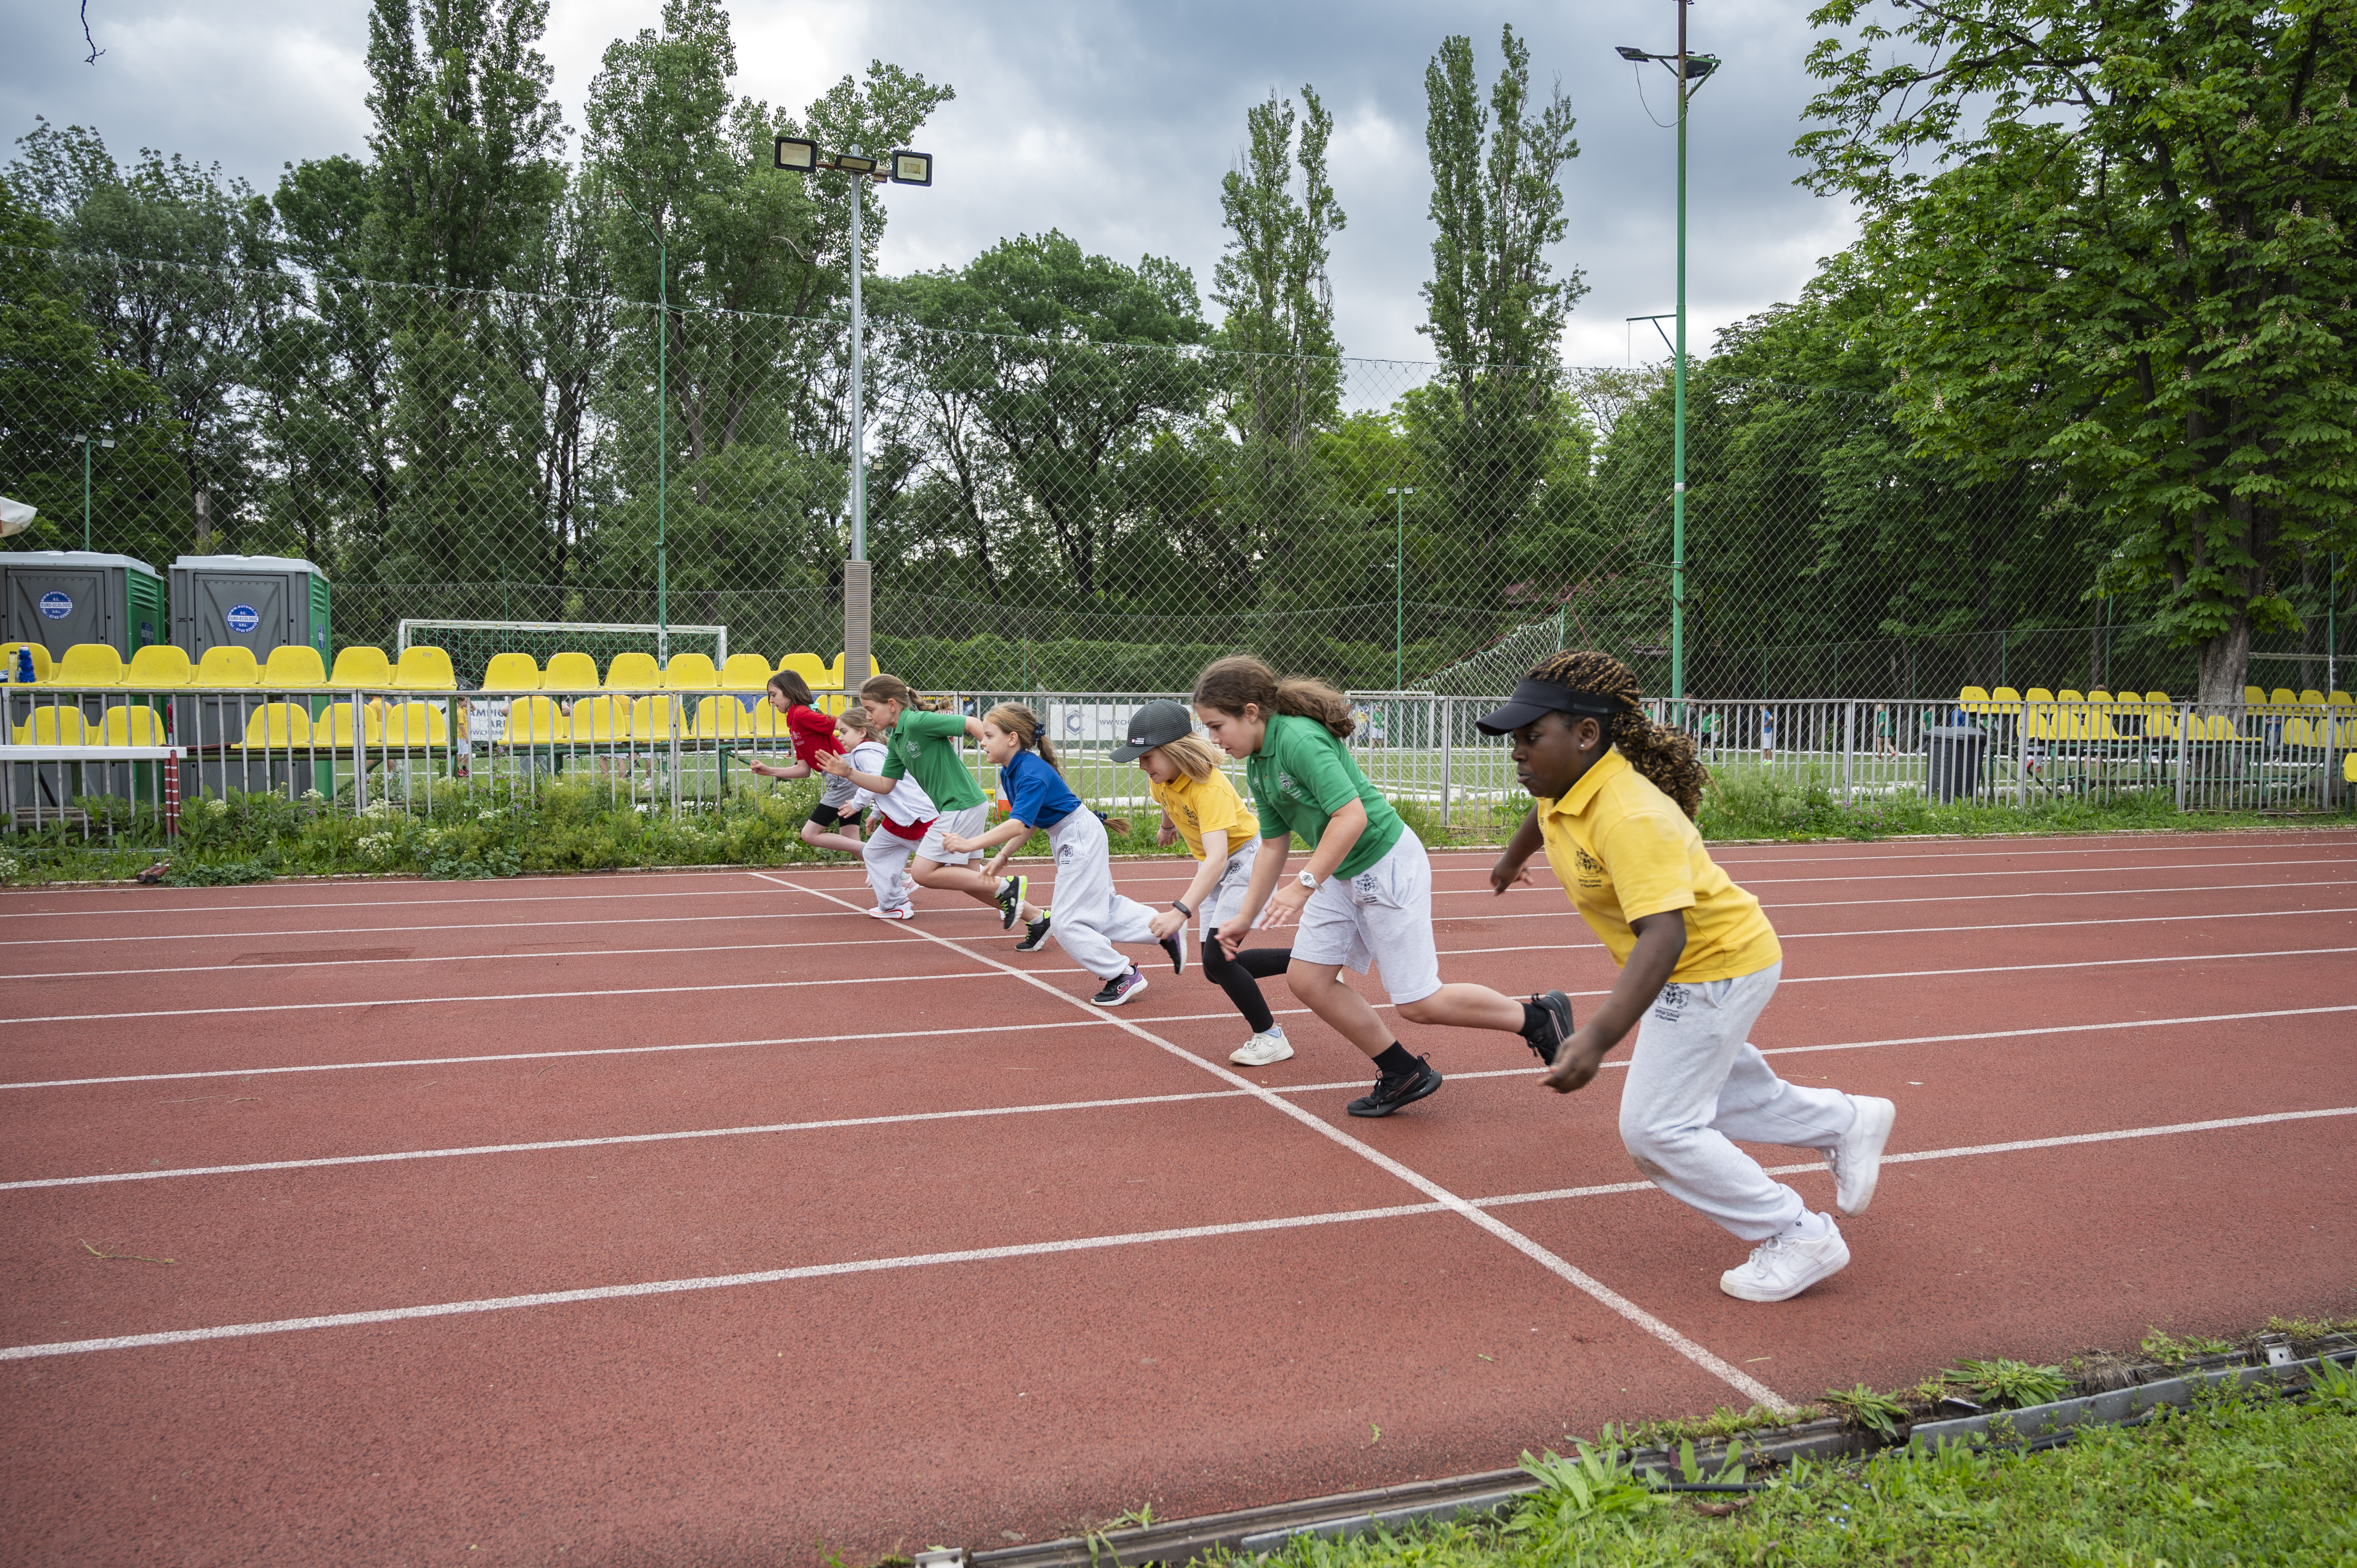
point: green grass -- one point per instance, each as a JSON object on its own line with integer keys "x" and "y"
{"x": 2244, "y": 1479}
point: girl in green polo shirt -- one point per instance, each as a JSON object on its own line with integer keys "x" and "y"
{"x": 924, "y": 745}
{"x": 1365, "y": 896}
{"x": 1616, "y": 794}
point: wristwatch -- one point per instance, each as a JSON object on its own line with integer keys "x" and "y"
{"x": 1182, "y": 908}
{"x": 1306, "y": 880}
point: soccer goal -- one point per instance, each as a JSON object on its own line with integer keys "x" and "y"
{"x": 471, "y": 643}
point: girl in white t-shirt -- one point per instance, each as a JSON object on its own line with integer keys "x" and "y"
{"x": 903, "y": 814}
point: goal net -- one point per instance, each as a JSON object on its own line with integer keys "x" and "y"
{"x": 471, "y": 643}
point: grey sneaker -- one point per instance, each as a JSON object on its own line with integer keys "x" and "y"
{"x": 1781, "y": 1270}
{"x": 1263, "y": 1048}
{"x": 1857, "y": 1160}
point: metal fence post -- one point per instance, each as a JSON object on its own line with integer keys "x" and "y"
{"x": 1446, "y": 707}
{"x": 2184, "y": 723}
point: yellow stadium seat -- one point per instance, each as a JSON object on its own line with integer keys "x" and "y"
{"x": 2005, "y": 702}
{"x": 2336, "y": 699}
{"x": 360, "y": 666}
{"x": 276, "y": 727}
{"x": 2349, "y": 767}
{"x": 813, "y": 671}
{"x": 1973, "y": 699}
{"x": 129, "y": 726}
{"x": 651, "y": 717}
{"x": 228, "y": 667}
{"x": 52, "y": 726}
{"x": 40, "y": 659}
{"x": 2160, "y": 716}
{"x": 2311, "y": 698}
{"x": 511, "y": 672}
{"x": 87, "y": 664}
{"x": 689, "y": 672}
{"x": 834, "y": 674}
{"x": 724, "y": 718}
{"x": 633, "y": 672}
{"x": 159, "y": 667}
{"x": 415, "y": 723}
{"x": 2281, "y": 697}
{"x": 423, "y": 668}
{"x": 2253, "y": 697}
{"x": 2068, "y": 695}
{"x": 569, "y": 672}
{"x": 294, "y": 668}
{"x": 2096, "y": 694}
{"x": 2129, "y": 698}
{"x": 536, "y": 720}
{"x": 334, "y": 727}
{"x": 601, "y": 719}
{"x": 2217, "y": 726}
{"x": 744, "y": 672}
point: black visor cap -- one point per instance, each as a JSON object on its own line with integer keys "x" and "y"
{"x": 1534, "y": 699}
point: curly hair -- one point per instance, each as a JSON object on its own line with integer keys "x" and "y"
{"x": 1663, "y": 755}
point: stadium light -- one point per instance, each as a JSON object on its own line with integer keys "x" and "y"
{"x": 1399, "y": 494}
{"x": 1691, "y": 70}
{"x": 801, "y": 155}
{"x": 85, "y": 441}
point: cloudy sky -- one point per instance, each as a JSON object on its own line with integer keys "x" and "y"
{"x": 1110, "y": 121}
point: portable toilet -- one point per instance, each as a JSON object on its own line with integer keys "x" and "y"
{"x": 260, "y": 603}
{"x": 60, "y": 597}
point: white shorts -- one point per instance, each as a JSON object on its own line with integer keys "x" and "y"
{"x": 1382, "y": 916}
{"x": 1227, "y": 896}
{"x": 966, "y": 823}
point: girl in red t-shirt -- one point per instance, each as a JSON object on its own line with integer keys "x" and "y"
{"x": 815, "y": 738}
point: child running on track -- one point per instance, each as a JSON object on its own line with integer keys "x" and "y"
{"x": 1089, "y": 916}
{"x": 902, "y": 818}
{"x": 1201, "y": 807}
{"x": 814, "y": 739}
{"x": 1614, "y": 795}
{"x": 1365, "y": 896}
{"x": 924, "y": 745}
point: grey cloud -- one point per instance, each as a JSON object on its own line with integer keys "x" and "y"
{"x": 1113, "y": 122}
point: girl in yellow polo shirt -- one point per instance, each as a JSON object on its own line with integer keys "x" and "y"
{"x": 1615, "y": 798}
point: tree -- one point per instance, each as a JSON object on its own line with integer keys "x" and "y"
{"x": 2126, "y": 262}
{"x": 1495, "y": 308}
{"x": 1272, "y": 280}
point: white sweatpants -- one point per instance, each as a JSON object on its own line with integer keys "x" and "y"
{"x": 1696, "y": 1083}
{"x": 886, "y": 856}
{"x": 1088, "y": 915}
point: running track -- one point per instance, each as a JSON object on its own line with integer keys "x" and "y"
{"x": 696, "y": 1217}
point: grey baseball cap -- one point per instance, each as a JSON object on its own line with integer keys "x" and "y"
{"x": 1157, "y": 723}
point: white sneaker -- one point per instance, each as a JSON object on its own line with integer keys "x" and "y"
{"x": 1781, "y": 1270}
{"x": 1857, "y": 1160}
{"x": 905, "y": 912}
{"x": 1263, "y": 1050}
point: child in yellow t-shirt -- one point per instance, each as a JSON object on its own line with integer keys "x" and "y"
{"x": 1615, "y": 798}
{"x": 1202, "y": 810}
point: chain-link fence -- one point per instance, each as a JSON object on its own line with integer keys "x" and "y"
{"x": 1048, "y": 512}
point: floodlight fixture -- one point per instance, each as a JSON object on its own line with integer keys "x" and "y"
{"x": 855, "y": 163}
{"x": 911, "y": 168}
{"x": 798, "y": 154}
{"x": 1697, "y": 66}
{"x": 1625, "y": 52}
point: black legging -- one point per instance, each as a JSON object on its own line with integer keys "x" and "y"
{"x": 1241, "y": 976}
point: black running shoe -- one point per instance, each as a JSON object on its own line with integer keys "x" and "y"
{"x": 1010, "y": 900}
{"x": 1120, "y": 989}
{"x": 1175, "y": 944}
{"x": 1391, "y": 1093}
{"x": 1034, "y": 935}
{"x": 1554, "y": 1029}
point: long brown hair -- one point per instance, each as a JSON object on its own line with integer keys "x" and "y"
{"x": 1020, "y": 722}
{"x": 855, "y": 719}
{"x": 886, "y": 689}
{"x": 1191, "y": 755}
{"x": 1663, "y": 755}
{"x": 797, "y": 689}
{"x": 1230, "y": 684}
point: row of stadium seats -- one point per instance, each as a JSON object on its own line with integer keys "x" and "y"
{"x": 2311, "y": 718}
{"x": 421, "y": 669}
{"x": 532, "y": 719}
{"x": 2005, "y": 700}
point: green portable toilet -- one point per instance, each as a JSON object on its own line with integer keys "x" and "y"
{"x": 260, "y": 603}
{"x": 60, "y": 597}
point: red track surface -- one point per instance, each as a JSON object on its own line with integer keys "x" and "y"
{"x": 746, "y": 1077}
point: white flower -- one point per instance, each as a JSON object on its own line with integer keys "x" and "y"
{"x": 490, "y": 816}
{"x": 313, "y": 794}
{"x": 218, "y": 807}
{"x": 376, "y": 843}
{"x": 9, "y": 866}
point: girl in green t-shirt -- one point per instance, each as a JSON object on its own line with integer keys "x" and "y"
{"x": 1364, "y": 898}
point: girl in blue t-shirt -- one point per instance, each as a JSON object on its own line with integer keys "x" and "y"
{"x": 1089, "y": 917}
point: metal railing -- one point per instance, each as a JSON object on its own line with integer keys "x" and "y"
{"x": 119, "y": 761}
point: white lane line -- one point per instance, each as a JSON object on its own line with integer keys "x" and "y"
{"x": 2048, "y": 925}
{"x": 379, "y": 901}
{"x": 298, "y": 963}
{"x": 2020, "y": 1146}
{"x": 1044, "y": 1249}
{"x": 1743, "y": 1382}
{"x": 509, "y": 996}
{"x": 1978, "y": 969}
{"x": 838, "y": 1123}
{"x": 1559, "y": 911}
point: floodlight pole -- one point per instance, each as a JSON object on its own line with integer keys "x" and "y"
{"x": 662, "y": 449}
{"x": 85, "y": 487}
{"x": 1678, "y": 437}
{"x": 857, "y": 625}
{"x": 1399, "y": 585}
